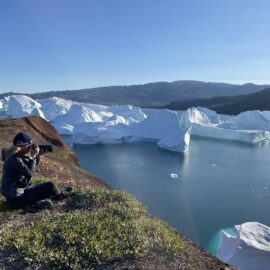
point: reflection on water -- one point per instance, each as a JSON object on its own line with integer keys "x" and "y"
{"x": 219, "y": 183}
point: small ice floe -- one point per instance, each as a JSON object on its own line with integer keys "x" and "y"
{"x": 213, "y": 165}
{"x": 174, "y": 175}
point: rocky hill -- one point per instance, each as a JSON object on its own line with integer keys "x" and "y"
{"x": 150, "y": 94}
{"x": 227, "y": 105}
{"x": 94, "y": 228}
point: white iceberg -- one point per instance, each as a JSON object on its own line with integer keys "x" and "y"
{"x": 83, "y": 113}
{"x": 21, "y": 106}
{"x": 178, "y": 141}
{"x": 249, "y": 120}
{"x": 161, "y": 126}
{"x": 157, "y": 125}
{"x": 266, "y": 114}
{"x": 115, "y": 130}
{"x": 55, "y": 106}
{"x": 91, "y": 123}
{"x": 249, "y": 250}
{"x": 248, "y": 136}
{"x": 78, "y": 113}
{"x": 199, "y": 115}
{"x": 131, "y": 113}
{"x": 2, "y": 105}
{"x": 63, "y": 129}
{"x": 205, "y": 123}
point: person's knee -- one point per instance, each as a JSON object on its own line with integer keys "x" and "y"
{"x": 52, "y": 187}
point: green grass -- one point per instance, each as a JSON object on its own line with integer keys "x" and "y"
{"x": 63, "y": 154}
{"x": 100, "y": 226}
{"x": 40, "y": 180}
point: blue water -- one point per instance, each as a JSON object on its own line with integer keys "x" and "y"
{"x": 214, "y": 243}
{"x": 219, "y": 183}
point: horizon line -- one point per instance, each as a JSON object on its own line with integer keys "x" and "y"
{"x": 135, "y": 84}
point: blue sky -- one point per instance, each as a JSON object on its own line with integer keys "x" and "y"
{"x": 73, "y": 44}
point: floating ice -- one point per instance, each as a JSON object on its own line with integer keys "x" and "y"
{"x": 78, "y": 113}
{"x": 174, "y": 175}
{"x": 161, "y": 126}
{"x": 205, "y": 124}
{"x": 249, "y": 250}
{"x": 64, "y": 129}
{"x": 55, "y": 106}
{"x": 199, "y": 115}
{"x": 2, "y": 105}
{"x": 131, "y": 113}
{"x": 178, "y": 141}
{"x": 21, "y": 106}
{"x": 249, "y": 120}
{"x": 91, "y": 123}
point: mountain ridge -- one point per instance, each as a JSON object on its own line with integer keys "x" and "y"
{"x": 227, "y": 105}
{"x": 149, "y": 94}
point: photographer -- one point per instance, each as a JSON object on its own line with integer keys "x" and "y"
{"x": 17, "y": 172}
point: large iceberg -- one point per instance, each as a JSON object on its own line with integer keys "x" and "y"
{"x": 206, "y": 123}
{"x": 131, "y": 113}
{"x": 92, "y": 123}
{"x": 161, "y": 126}
{"x": 157, "y": 125}
{"x": 249, "y": 250}
{"x": 55, "y": 106}
{"x": 64, "y": 129}
{"x": 80, "y": 113}
{"x": 2, "y": 105}
{"x": 201, "y": 116}
{"x": 115, "y": 130}
{"x": 21, "y": 106}
{"x": 178, "y": 141}
{"x": 249, "y": 120}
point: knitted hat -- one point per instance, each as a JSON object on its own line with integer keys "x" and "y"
{"x": 22, "y": 139}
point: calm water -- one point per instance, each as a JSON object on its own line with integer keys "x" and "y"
{"x": 219, "y": 183}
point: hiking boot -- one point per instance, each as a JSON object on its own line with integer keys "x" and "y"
{"x": 40, "y": 205}
{"x": 60, "y": 197}
{"x": 63, "y": 194}
{"x": 69, "y": 189}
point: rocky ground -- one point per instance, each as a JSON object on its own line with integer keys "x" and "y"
{"x": 149, "y": 248}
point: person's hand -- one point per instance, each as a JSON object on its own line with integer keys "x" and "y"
{"x": 34, "y": 151}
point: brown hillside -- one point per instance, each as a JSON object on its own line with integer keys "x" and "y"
{"x": 61, "y": 164}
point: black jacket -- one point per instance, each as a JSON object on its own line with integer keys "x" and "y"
{"x": 17, "y": 173}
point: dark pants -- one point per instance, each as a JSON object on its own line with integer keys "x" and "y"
{"x": 36, "y": 193}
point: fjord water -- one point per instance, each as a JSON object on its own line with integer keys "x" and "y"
{"x": 219, "y": 183}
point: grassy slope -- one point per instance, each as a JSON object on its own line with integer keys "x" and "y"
{"x": 95, "y": 227}
{"x": 91, "y": 228}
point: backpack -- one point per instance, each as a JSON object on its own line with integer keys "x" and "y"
{"x": 4, "y": 154}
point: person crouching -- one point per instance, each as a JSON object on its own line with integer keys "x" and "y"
{"x": 18, "y": 169}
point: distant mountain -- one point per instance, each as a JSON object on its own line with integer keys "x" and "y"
{"x": 151, "y": 94}
{"x": 227, "y": 105}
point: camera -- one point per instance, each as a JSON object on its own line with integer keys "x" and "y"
{"x": 43, "y": 148}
